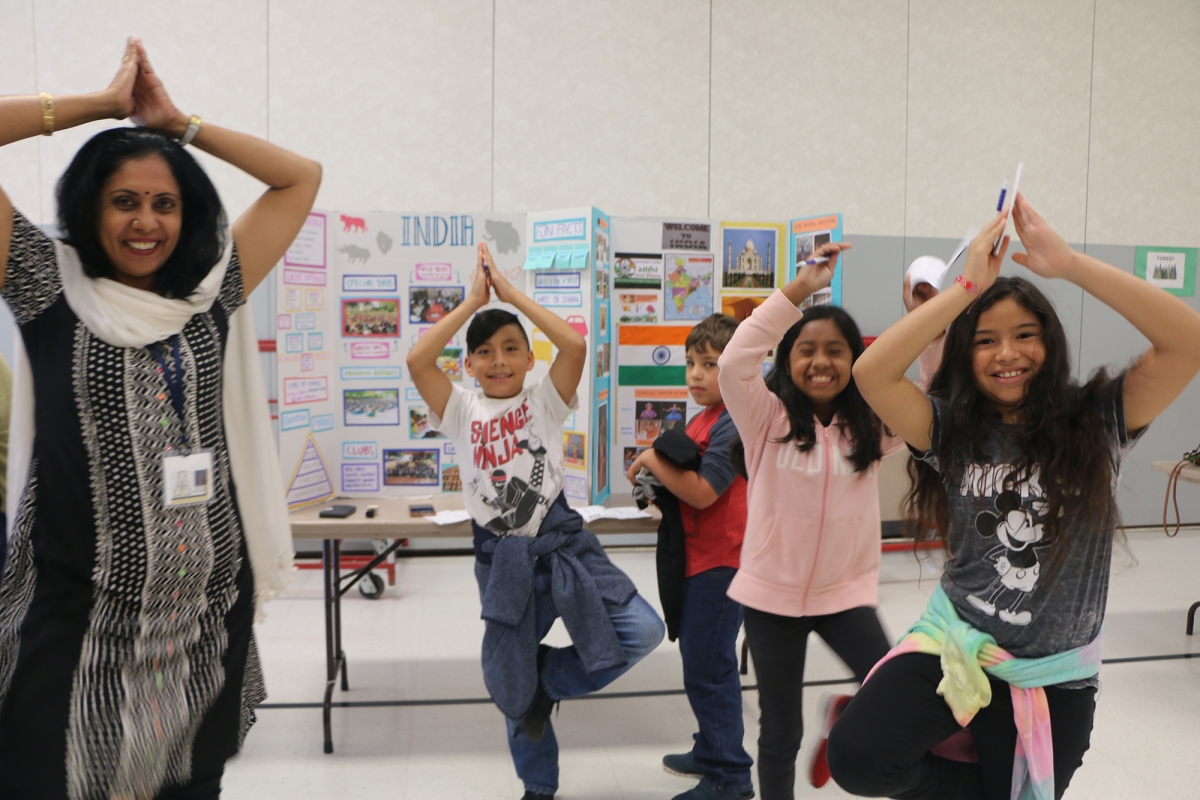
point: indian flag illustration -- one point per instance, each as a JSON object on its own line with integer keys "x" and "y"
{"x": 652, "y": 355}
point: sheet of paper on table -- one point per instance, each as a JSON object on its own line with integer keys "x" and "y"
{"x": 593, "y": 513}
{"x": 449, "y": 517}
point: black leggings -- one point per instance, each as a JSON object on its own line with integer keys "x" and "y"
{"x": 879, "y": 746}
{"x": 778, "y": 645}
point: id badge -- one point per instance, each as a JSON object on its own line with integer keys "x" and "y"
{"x": 187, "y": 477}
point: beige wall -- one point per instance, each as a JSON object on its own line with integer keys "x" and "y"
{"x": 903, "y": 114}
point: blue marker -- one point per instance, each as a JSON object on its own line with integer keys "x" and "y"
{"x": 1003, "y": 191}
{"x": 811, "y": 261}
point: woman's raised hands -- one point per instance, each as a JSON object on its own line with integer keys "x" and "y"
{"x": 152, "y": 105}
{"x": 120, "y": 90}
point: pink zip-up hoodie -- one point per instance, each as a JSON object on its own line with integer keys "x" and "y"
{"x": 813, "y": 525}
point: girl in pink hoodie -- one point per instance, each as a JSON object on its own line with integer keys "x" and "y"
{"x": 810, "y": 560}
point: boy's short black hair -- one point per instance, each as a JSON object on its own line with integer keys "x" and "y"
{"x": 712, "y": 333}
{"x": 486, "y": 323}
{"x": 201, "y": 237}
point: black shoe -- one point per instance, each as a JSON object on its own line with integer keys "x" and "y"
{"x": 536, "y": 796}
{"x": 539, "y": 714}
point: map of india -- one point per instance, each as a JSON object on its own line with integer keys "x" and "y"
{"x": 689, "y": 281}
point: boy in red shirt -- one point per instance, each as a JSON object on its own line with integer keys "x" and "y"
{"x": 713, "y": 505}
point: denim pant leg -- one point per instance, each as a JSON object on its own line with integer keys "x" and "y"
{"x": 638, "y": 628}
{"x": 537, "y": 762}
{"x": 708, "y": 644}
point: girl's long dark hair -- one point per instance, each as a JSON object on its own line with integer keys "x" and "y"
{"x": 201, "y": 237}
{"x": 1060, "y": 439}
{"x": 856, "y": 418}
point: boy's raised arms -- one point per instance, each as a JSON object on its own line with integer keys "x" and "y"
{"x": 431, "y": 382}
{"x": 567, "y": 368}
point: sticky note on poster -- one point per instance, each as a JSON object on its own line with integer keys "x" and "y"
{"x": 579, "y": 257}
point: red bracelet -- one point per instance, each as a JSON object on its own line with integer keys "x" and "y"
{"x": 966, "y": 284}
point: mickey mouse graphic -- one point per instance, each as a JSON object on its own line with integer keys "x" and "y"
{"x": 1015, "y": 557}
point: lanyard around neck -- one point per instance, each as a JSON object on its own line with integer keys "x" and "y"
{"x": 173, "y": 374}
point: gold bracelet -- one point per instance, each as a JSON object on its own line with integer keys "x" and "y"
{"x": 47, "y": 113}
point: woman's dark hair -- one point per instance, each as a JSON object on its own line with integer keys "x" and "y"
{"x": 201, "y": 236}
{"x": 855, "y": 417}
{"x": 1059, "y": 439}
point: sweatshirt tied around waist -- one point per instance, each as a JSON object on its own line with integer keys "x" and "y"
{"x": 582, "y": 581}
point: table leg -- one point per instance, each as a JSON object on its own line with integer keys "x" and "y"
{"x": 330, "y": 577}
{"x": 337, "y": 610}
{"x": 1191, "y": 626}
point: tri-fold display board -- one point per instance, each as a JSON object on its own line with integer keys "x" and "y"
{"x": 357, "y": 289}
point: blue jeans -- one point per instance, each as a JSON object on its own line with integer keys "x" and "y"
{"x": 639, "y": 630}
{"x": 708, "y": 632}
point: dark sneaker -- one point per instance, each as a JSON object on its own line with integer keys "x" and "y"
{"x": 818, "y": 769}
{"x": 543, "y": 704}
{"x": 536, "y": 796}
{"x": 683, "y": 765}
{"x": 703, "y": 792}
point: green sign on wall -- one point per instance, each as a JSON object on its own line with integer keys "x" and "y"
{"x": 1170, "y": 268}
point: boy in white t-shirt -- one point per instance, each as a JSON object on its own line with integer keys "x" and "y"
{"x": 527, "y": 540}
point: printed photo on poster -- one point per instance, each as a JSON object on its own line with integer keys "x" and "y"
{"x": 601, "y": 247}
{"x": 807, "y": 244}
{"x": 638, "y": 271}
{"x": 451, "y": 363}
{"x": 603, "y": 319}
{"x": 410, "y": 467}
{"x": 428, "y": 304}
{"x": 602, "y": 447}
{"x": 822, "y": 298}
{"x": 603, "y": 359}
{"x": 638, "y": 308}
{"x": 740, "y": 306}
{"x": 749, "y": 256}
{"x": 656, "y": 416}
{"x": 451, "y": 478}
{"x": 574, "y": 449}
{"x": 418, "y": 424}
{"x": 688, "y": 290}
{"x": 601, "y": 284}
{"x": 371, "y": 406}
{"x": 371, "y": 316}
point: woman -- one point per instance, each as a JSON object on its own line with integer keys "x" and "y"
{"x": 127, "y": 660}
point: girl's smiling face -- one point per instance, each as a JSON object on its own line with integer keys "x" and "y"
{"x": 1007, "y": 352}
{"x": 141, "y": 214}
{"x": 820, "y": 364}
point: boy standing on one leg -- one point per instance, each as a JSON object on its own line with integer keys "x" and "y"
{"x": 510, "y": 441}
{"x": 713, "y": 509}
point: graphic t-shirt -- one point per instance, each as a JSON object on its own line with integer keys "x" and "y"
{"x": 510, "y": 454}
{"x": 995, "y": 576}
{"x": 713, "y": 536}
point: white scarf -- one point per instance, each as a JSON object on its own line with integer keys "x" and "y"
{"x": 126, "y": 317}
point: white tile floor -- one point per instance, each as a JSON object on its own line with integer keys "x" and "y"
{"x": 421, "y": 642}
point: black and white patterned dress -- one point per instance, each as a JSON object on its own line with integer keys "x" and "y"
{"x": 127, "y": 659}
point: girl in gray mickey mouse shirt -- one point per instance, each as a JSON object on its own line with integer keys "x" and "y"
{"x": 1018, "y": 466}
